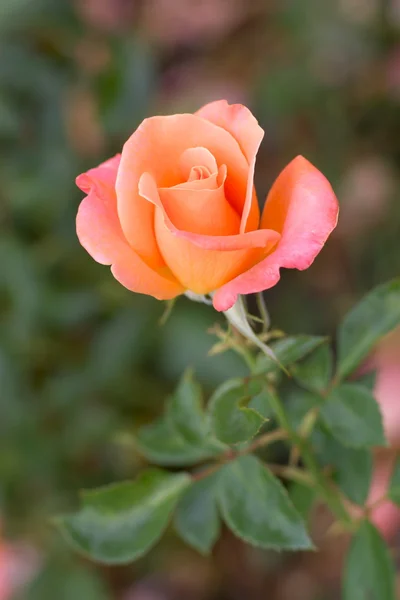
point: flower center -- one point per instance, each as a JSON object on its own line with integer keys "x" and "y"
{"x": 198, "y": 173}
{"x": 197, "y": 164}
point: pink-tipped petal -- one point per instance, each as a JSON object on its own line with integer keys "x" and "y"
{"x": 102, "y": 177}
{"x": 137, "y": 276}
{"x": 100, "y": 233}
{"x": 201, "y": 270}
{"x": 303, "y": 208}
{"x": 239, "y": 121}
{"x": 97, "y": 222}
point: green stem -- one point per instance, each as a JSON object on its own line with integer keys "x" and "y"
{"x": 304, "y": 431}
{"x": 246, "y": 354}
{"x": 292, "y": 473}
{"x": 329, "y": 494}
{"x": 260, "y": 442}
{"x": 265, "y": 440}
{"x": 280, "y": 413}
{"x": 262, "y": 307}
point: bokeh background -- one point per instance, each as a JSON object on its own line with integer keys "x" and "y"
{"x": 83, "y": 361}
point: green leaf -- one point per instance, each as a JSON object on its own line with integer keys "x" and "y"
{"x": 260, "y": 399}
{"x": 161, "y": 445}
{"x": 314, "y": 372}
{"x": 288, "y": 350}
{"x": 121, "y": 522}
{"x": 302, "y": 497}
{"x": 231, "y": 420}
{"x": 196, "y": 517}
{"x": 354, "y": 473}
{"x": 299, "y": 402}
{"x": 353, "y": 467}
{"x": 182, "y": 436}
{"x": 352, "y": 415}
{"x": 369, "y": 572}
{"x": 394, "y": 488}
{"x": 185, "y": 411}
{"x": 375, "y": 316}
{"x": 257, "y": 508}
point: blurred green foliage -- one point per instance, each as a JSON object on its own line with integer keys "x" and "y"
{"x": 83, "y": 361}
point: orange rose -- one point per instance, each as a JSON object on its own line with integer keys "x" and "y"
{"x": 177, "y": 210}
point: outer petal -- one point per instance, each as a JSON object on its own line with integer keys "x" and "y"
{"x": 238, "y": 120}
{"x": 102, "y": 178}
{"x": 156, "y": 147}
{"x": 199, "y": 270}
{"x": 97, "y": 223}
{"x": 201, "y": 262}
{"x": 101, "y": 235}
{"x": 303, "y": 208}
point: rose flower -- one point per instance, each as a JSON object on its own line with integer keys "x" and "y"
{"x": 177, "y": 210}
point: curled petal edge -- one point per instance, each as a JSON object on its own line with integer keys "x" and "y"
{"x": 304, "y": 207}
{"x": 241, "y": 123}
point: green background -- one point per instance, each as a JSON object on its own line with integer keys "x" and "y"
{"x": 82, "y": 360}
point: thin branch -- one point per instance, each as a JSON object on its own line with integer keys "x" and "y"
{"x": 260, "y": 442}
{"x": 264, "y": 440}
